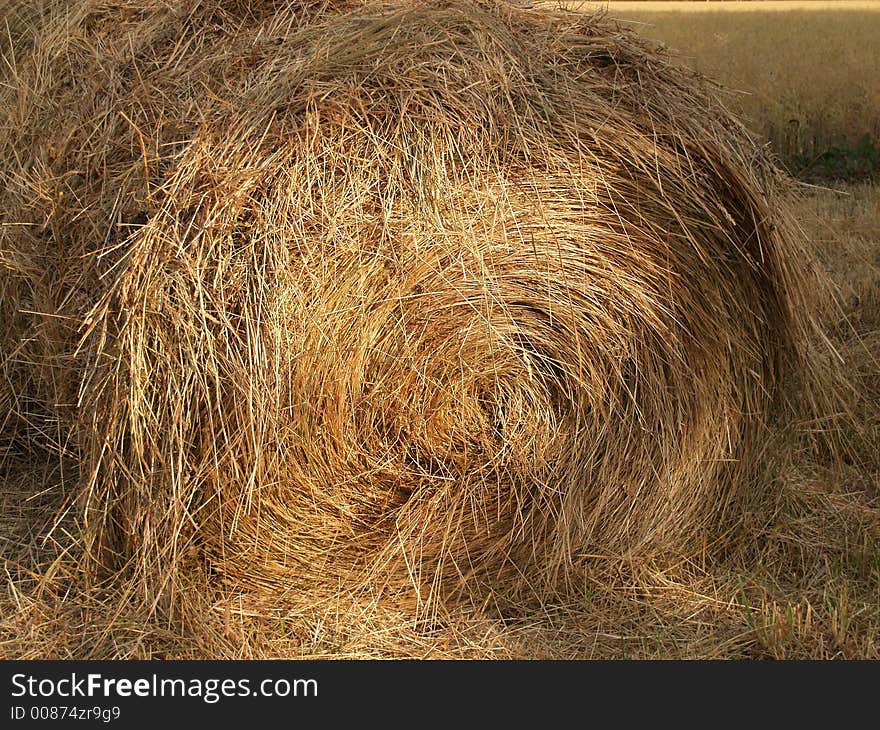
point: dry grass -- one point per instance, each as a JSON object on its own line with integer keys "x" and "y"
{"x": 808, "y": 72}
{"x": 451, "y": 331}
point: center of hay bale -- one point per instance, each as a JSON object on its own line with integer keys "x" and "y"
{"x": 419, "y": 297}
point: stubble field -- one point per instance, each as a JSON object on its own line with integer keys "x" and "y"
{"x": 805, "y": 74}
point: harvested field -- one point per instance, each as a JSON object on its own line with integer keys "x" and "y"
{"x": 403, "y": 329}
{"x": 804, "y": 75}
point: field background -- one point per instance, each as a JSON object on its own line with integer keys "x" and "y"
{"x": 804, "y": 74}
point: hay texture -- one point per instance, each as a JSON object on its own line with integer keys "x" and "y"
{"x": 409, "y": 297}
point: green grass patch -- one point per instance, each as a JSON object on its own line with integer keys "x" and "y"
{"x": 860, "y": 162}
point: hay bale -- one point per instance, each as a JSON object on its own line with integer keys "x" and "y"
{"x": 403, "y": 295}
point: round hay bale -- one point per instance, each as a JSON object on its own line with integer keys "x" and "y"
{"x": 402, "y": 295}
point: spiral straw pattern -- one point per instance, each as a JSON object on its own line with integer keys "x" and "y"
{"x": 414, "y": 296}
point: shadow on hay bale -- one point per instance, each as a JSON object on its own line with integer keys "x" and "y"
{"x": 407, "y": 295}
